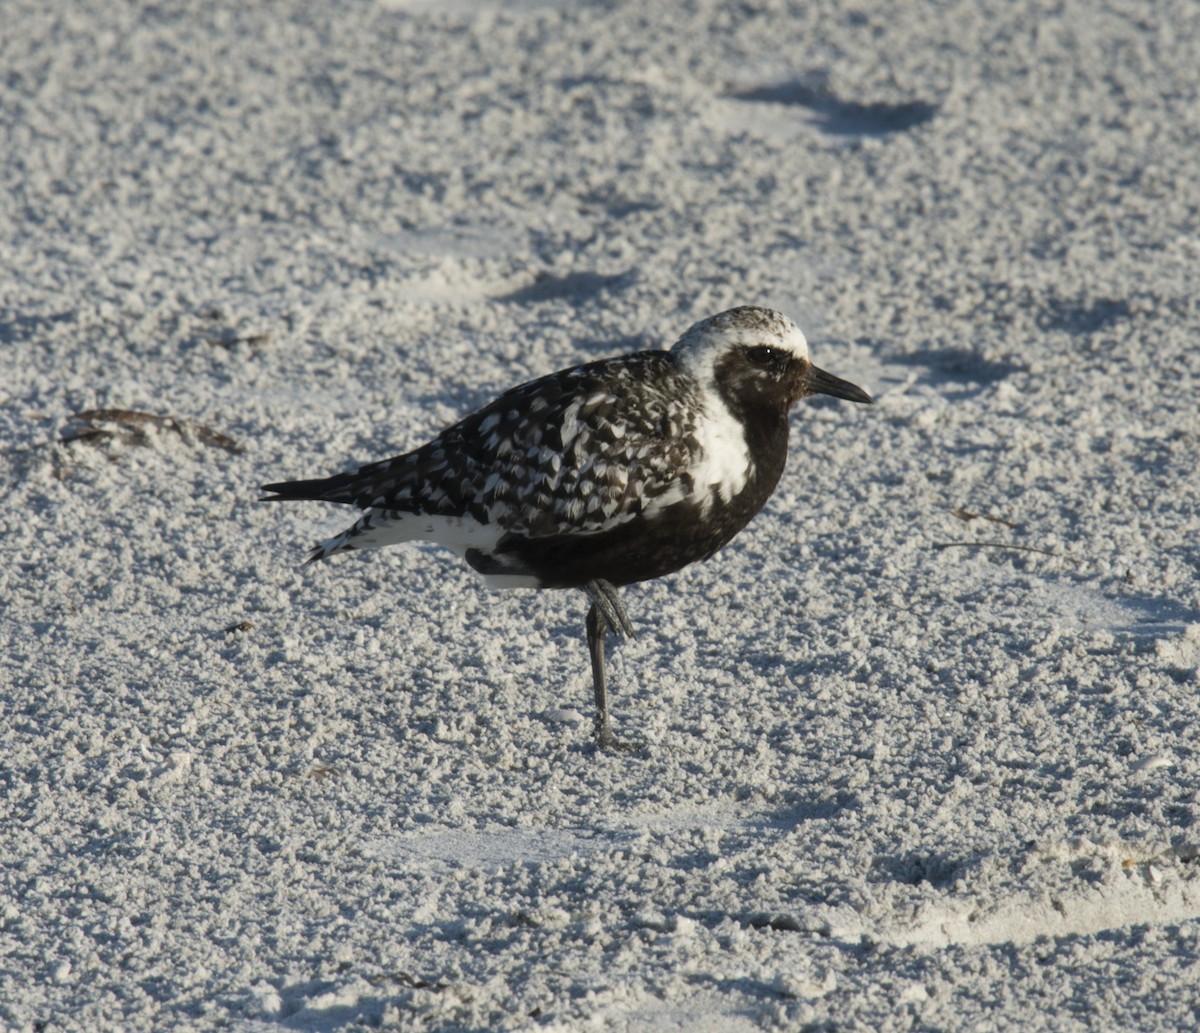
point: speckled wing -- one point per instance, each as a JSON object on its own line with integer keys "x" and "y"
{"x": 576, "y": 452}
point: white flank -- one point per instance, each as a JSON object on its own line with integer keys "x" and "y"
{"x": 375, "y": 530}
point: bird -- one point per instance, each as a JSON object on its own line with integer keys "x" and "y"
{"x": 603, "y": 475}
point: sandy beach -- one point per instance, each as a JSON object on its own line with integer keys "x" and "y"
{"x": 918, "y": 749}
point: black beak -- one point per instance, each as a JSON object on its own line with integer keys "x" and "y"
{"x": 819, "y": 382}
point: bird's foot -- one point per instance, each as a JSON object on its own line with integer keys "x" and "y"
{"x": 607, "y": 744}
{"x": 605, "y": 740}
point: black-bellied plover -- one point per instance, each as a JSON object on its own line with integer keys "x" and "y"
{"x": 602, "y": 475}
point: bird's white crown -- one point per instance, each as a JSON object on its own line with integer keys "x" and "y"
{"x": 703, "y": 344}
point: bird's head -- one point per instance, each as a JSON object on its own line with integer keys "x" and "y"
{"x": 756, "y": 359}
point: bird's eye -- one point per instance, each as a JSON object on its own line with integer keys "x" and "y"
{"x": 762, "y": 356}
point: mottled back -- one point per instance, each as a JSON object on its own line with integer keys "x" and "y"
{"x": 577, "y": 451}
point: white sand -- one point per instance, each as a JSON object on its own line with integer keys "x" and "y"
{"x": 886, "y": 785}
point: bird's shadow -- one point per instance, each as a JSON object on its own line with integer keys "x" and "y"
{"x": 839, "y": 117}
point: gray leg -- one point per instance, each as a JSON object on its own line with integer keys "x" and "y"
{"x": 605, "y": 612}
{"x": 596, "y": 629}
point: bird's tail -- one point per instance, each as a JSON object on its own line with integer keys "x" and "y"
{"x": 322, "y": 489}
{"x": 338, "y": 488}
{"x": 374, "y": 529}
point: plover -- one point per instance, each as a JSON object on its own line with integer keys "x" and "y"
{"x": 601, "y": 475}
